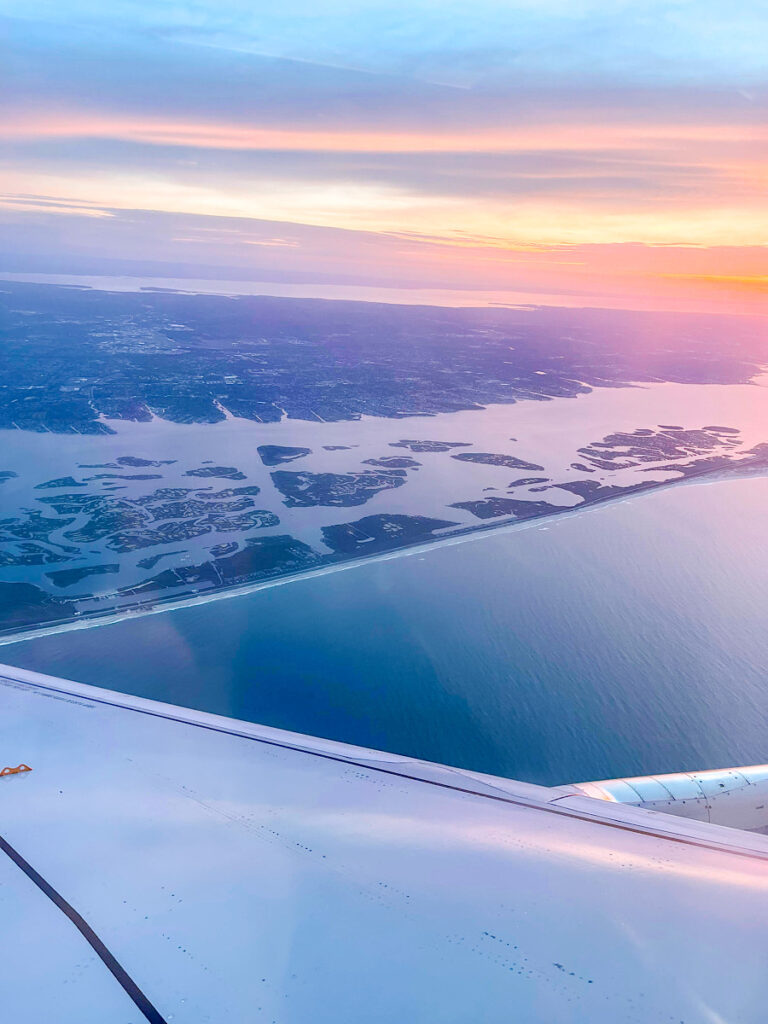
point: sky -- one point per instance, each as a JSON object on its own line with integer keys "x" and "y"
{"x": 608, "y": 152}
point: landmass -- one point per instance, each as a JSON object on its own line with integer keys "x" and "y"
{"x": 429, "y": 446}
{"x": 143, "y": 528}
{"x": 227, "y": 472}
{"x": 23, "y": 605}
{"x": 509, "y": 461}
{"x": 492, "y": 508}
{"x": 132, "y": 461}
{"x": 66, "y": 577}
{"x": 200, "y": 358}
{"x": 259, "y": 559}
{"x": 381, "y": 532}
{"x": 152, "y": 560}
{"x": 393, "y": 462}
{"x": 275, "y": 454}
{"x": 62, "y": 481}
{"x": 339, "y": 489}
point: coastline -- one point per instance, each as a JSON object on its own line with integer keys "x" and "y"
{"x": 460, "y": 535}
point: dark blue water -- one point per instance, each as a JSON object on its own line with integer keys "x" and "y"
{"x": 628, "y": 639}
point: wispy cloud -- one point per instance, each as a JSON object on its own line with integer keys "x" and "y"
{"x": 469, "y": 137}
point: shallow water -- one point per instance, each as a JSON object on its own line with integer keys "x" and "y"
{"x": 627, "y": 639}
{"x": 548, "y": 434}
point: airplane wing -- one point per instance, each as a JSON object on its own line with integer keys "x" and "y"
{"x": 165, "y": 865}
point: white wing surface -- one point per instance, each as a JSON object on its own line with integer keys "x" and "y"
{"x": 167, "y": 865}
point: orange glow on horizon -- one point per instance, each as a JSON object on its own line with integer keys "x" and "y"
{"x": 648, "y": 213}
{"x": 758, "y": 283}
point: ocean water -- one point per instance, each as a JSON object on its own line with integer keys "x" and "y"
{"x": 363, "y": 293}
{"x": 625, "y": 639}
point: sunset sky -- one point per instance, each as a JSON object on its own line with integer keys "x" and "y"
{"x": 572, "y": 151}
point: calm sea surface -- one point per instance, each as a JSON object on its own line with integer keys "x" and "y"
{"x": 627, "y": 639}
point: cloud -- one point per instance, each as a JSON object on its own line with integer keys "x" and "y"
{"x": 442, "y": 141}
{"x": 588, "y": 189}
{"x": 141, "y": 83}
{"x": 50, "y": 204}
{"x": 177, "y": 246}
